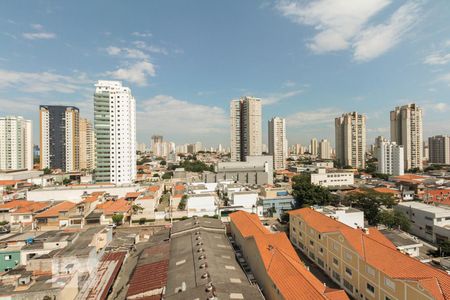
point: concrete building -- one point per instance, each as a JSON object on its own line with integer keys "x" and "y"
{"x": 254, "y": 170}
{"x": 406, "y": 131}
{"x": 332, "y": 179}
{"x": 439, "y": 149}
{"x": 390, "y": 158}
{"x": 203, "y": 265}
{"x": 278, "y": 146}
{"x": 429, "y": 222}
{"x": 363, "y": 261}
{"x": 59, "y": 137}
{"x": 87, "y": 145}
{"x": 324, "y": 149}
{"x": 348, "y": 215}
{"x": 274, "y": 263}
{"x": 246, "y": 131}
{"x": 202, "y": 204}
{"x": 350, "y": 134}
{"x": 16, "y": 143}
{"x": 115, "y": 131}
{"x": 314, "y": 147}
{"x": 275, "y": 201}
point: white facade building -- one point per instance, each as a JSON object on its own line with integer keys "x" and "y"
{"x": 278, "y": 146}
{"x": 332, "y": 179}
{"x": 348, "y": 215}
{"x": 246, "y": 131}
{"x": 406, "y": 130}
{"x": 324, "y": 149}
{"x": 429, "y": 222}
{"x": 202, "y": 204}
{"x": 351, "y": 140}
{"x": 16, "y": 143}
{"x": 390, "y": 158}
{"x": 115, "y": 128}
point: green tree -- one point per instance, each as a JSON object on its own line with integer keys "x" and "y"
{"x": 307, "y": 194}
{"x": 167, "y": 175}
{"x": 47, "y": 171}
{"x": 117, "y": 218}
{"x": 394, "y": 219}
{"x": 163, "y": 163}
{"x": 444, "y": 247}
{"x": 182, "y": 204}
{"x": 369, "y": 201}
{"x": 66, "y": 181}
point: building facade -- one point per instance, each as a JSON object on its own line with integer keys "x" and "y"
{"x": 350, "y": 134}
{"x": 324, "y": 149}
{"x": 278, "y": 146}
{"x": 439, "y": 149}
{"x": 60, "y": 137}
{"x": 314, "y": 147}
{"x": 87, "y": 145}
{"x": 390, "y": 158}
{"x": 406, "y": 131}
{"x": 115, "y": 131}
{"x": 16, "y": 143}
{"x": 246, "y": 131}
{"x": 363, "y": 261}
{"x": 332, "y": 179}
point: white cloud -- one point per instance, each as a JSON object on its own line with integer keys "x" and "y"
{"x": 343, "y": 24}
{"x": 275, "y": 98}
{"x": 440, "y": 56}
{"x": 437, "y": 107}
{"x": 437, "y": 58}
{"x": 39, "y": 33}
{"x": 445, "y": 78}
{"x": 150, "y": 48}
{"x": 42, "y": 82}
{"x": 172, "y": 116}
{"x": 337, "y": 21}
{"x": 314, "y": 117}
{"x": 136, "y": 73}
{"x": 126, "y": 52}
{"x": 376, "y": 40}
{"x": 142, "y": 34}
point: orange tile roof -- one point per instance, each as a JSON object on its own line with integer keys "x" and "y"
{"x": 282, "y": 263}
{"x": 31, "y": 208}
{"x": 115, "y": 206}
{"x": 380, "y": 253}
{"x": 13, "y": 204}
{"x": 9, "y": 182}
{"x": 132, "y": 195}
{"x": 179, "y": 187}
{"x": 55, "y": 210}
{"x": 154, "y": 188}
{"x": 386, "y": 190}
{"x": 410, "y": 177}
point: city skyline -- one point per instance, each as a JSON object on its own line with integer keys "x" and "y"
{"x": 307, "y": 82}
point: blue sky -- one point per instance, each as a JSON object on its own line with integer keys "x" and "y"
{"x": 309, "y": 61}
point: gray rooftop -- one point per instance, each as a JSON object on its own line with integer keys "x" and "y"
{"x": 202, "y": 264}
{"x": 197, "y": 223}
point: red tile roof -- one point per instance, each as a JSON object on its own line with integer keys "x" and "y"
{"x": 115, "y": 206}
{"x": 148, "y": 277}
{"x": 381, "y": 254}
{"x": 133, "y": 195}
{"x": 281, "y": 261}
{"x": 31, "y": 207}
{"x": 55, "y": 210}
{"x": 9, "y": 182}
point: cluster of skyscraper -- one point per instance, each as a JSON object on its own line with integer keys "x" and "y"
{"x": 246, "y": 132}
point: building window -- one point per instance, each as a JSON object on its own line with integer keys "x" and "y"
{"x": 311, "y": 243}
{"x": 370, "y": 270}
{"x": 348, "y": 286}
{"x": 337, "y": 276}
{"x": 320, "y": 262}
{"x": 348, "y": 256}
{"x": 389, "y": 283}
{"x": 8, "y": 257}
{"x": 335, "y": 261}
{"x": 370, "y": 288}
{"x": 348, "y": 271}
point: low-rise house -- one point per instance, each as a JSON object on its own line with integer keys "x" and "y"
{"x": 275, "y": 201}
{"x": 21, "y": 212}
{"x": 113, "y": 207}
{"x": 148, "y": 204}
{"x": 55, "y": 217}
{"x": 392, "y": 191}
{"x": 9, "y": 258}
{"x": 437, "y": 196}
